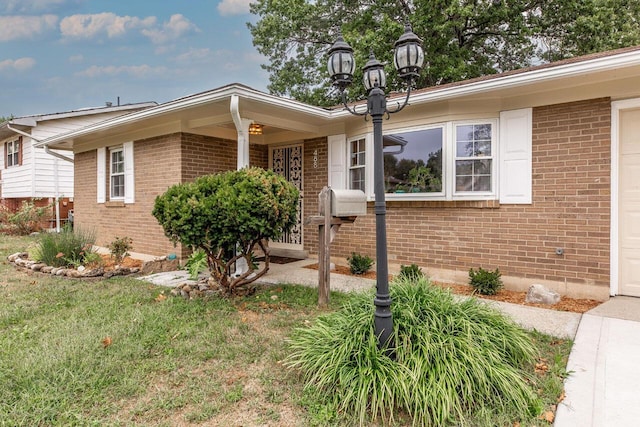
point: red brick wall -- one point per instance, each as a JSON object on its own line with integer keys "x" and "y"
{"x": 159, "y": 163}
{"x": 570, "y": 210}
{"x": 315, "y": 178}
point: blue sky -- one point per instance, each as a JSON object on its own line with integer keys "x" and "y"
{"x": 60, "y": 55}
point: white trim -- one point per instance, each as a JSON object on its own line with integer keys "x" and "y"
{"x": 101, "y": 179}
{"x": 113, "y": 151}
{"x": 614, "y": 255}
{"x": 129, "y": 178}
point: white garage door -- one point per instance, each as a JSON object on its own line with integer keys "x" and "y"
{"x": 629, "y": 203}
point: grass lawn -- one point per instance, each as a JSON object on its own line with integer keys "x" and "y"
{"x": 123, "y": 352}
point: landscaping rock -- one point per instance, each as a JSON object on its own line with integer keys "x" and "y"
{"x": 20, "y": 262}
{"x": 13, "y": 257}
{"x": 539, "y": 294}
{"x": 95, "y": 272}
{"x": 61, "y": 272}
{"x": 46, "y": 269}
{"x": 159, "y": 265}
{"x": 74, "y": 273}
{"x": 38, "y": 266}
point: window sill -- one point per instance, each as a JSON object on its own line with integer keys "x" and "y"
{"x": 114, "y": 204}
{"x": 459, "y": 204}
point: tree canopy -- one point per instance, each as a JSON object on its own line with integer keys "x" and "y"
{"x": 461, "y": 38}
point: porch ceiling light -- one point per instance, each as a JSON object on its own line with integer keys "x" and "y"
{"x": 255, "y": 129}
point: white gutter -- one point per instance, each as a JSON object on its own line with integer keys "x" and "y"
{"x": 242, "y": 128}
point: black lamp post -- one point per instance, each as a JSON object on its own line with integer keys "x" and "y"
{"x": 408, "y": 60}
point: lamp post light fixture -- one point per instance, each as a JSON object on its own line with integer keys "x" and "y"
{"x": 408, "y": 60}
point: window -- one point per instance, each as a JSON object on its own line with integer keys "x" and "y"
{"x": 357, "y": 163}
{"x": 116, "y": 174}
{"x": 473, "y": 157}
{"x": 413, "y": 161}
{"x": 447, "y": 161}
{"x": 13, "y": 153}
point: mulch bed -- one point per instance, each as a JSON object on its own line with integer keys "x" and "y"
{"x": 574, "y": 305}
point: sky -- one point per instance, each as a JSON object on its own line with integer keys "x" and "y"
{"x": 62, "y": 55}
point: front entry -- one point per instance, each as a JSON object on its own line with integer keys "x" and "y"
{"x": 288, "y": 162}
{"x": 629, "y": 203}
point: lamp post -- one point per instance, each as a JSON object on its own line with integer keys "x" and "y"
{"x": 408, "y": 60}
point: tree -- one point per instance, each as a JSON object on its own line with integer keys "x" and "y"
{"x": 461, "y": 38}
{"x": 227, "y": 215}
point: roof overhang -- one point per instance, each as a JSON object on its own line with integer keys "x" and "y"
{"x": 613, "y": 74}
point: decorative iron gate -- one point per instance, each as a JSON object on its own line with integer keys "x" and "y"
{"x": 288, "y": 161}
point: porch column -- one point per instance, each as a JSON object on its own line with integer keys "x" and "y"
{"x": 242, "y": 127}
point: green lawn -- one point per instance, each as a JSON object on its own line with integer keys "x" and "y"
{"x": 117, "y": 352}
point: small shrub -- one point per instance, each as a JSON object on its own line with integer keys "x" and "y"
{"x": 120, "y": 248}
{"x": 485, "y": 282}
{"x": 359, "y": 264}
{"x": 93, "y": 259}
{"x": 196, "y": 264}
{"x": 67, "y": 248}
{"x": 28, "y": 218}
{"x": 410, "y": 272}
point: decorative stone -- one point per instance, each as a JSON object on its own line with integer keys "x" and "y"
{"x": 38, "y": 266}
{"x": 539, "y": 294}
{"x": 74, "y": 273}
{"x": 61, "y": 272}
{"x": 94, "y": 272}
{"x": 54, "y": 271}
{"x": 13, "y": 257}
{"x": 46, "y": 269}
{"x": 81, "y": 268}
{"x": 159, "y": 265}
{"x": 186, "y": 288}
{"x": 184, "y": 294}
{"x": 20, "y": 262}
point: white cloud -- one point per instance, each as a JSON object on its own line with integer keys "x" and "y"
{"x": 177, "y": 26}
{"x": 20, "y": 64}
{"x": 90, "y": 26}
{"x": 22, "y": 27}
{"x": 195, "y": 55}
{"x": 76, "y": 59}
{"x": 233, "y": 7}
{"x": 138, "y": 71}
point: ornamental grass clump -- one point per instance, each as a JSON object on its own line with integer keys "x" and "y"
{"x": 70, "y": 247}
{"x": 453, "y": 359}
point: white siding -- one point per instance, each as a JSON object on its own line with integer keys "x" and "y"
{"x": 16, "y": 180}
{"x": 36, "y": 176}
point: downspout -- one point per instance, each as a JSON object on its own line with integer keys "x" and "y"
{"x": 55, "y": 170}
{"x": 242, "y": 127}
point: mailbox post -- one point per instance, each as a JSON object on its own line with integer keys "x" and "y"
{"x": 336, "y": 207}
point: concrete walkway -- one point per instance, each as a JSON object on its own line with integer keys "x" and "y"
{"x": 603, "y": 387}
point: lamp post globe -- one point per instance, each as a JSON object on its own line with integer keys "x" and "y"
{"x": 408, "y": 60}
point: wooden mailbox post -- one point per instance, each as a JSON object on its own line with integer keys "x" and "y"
{"x": 336, "y": 207}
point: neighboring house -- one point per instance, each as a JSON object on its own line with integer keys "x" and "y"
{"x": 27, "y": 173}
{"x": 534, "y": 171}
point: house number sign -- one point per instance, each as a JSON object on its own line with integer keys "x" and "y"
{"x": 315, "y": 159}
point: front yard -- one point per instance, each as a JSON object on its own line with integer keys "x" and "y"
{"x": 123, "y": 352}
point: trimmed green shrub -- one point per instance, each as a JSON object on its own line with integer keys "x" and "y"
{"x": 410, "y": 272}
{"x": 359, "y": 264}
{"x": 229, "y": 213}
{"x": 485, "y": 282}
{"x": 120, "y": 248}
{"x": 452, "y": 359}
{"x": 64, "y": 249}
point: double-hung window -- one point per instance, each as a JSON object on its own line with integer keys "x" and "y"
{"x": 13, "y": 153}
{"x": 357, "y": 164}
{"x": 116, "y": 174}
{"x": 473, "y": 158}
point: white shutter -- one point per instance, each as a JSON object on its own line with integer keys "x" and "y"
{"x": 515, "y": 156}
{"x": 337, "y": 161}
{"x": 129, "y": 182}
{"x": 102, "y": 172}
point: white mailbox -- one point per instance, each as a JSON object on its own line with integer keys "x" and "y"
{"x": 348, "y": 203}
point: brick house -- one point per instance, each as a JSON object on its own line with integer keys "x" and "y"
{"x": 41, "y": 175}
{"x": 533, "y": 171}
